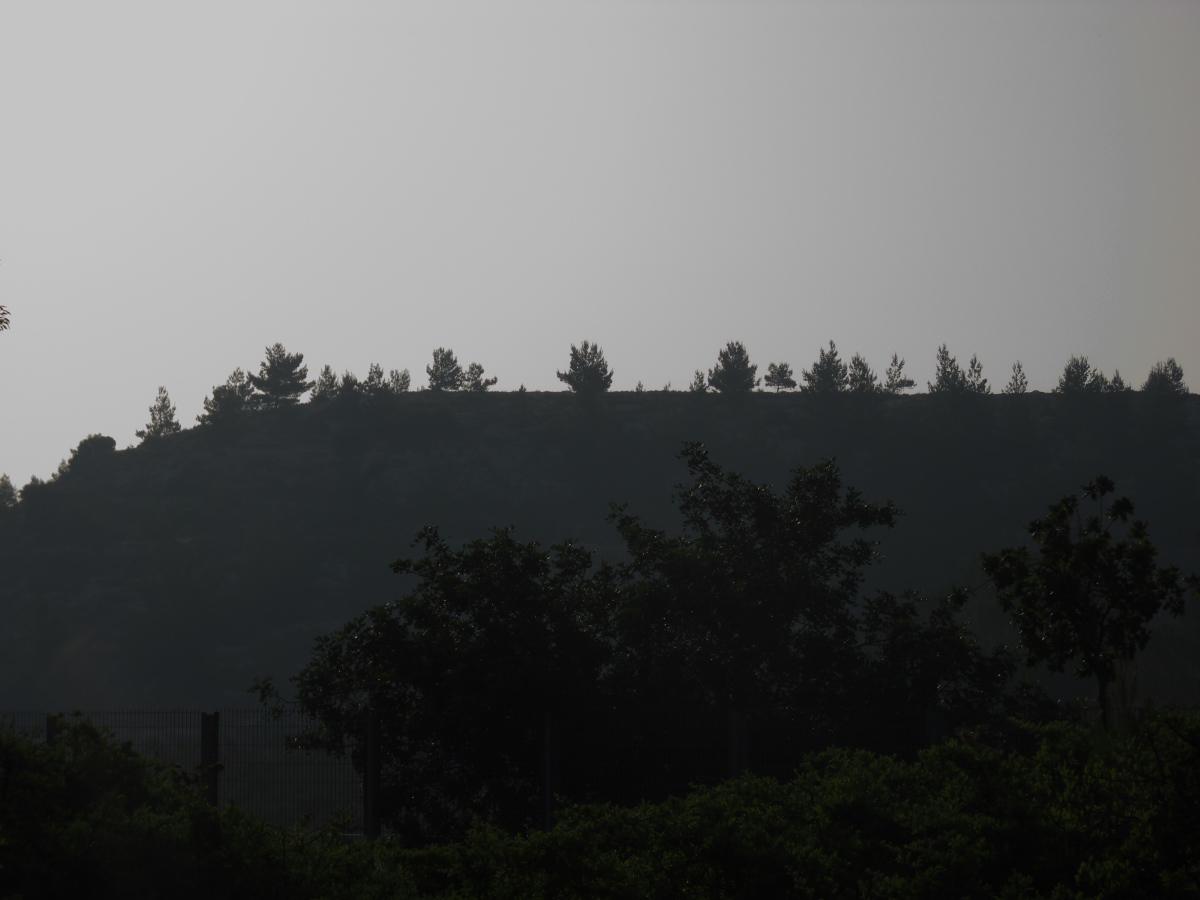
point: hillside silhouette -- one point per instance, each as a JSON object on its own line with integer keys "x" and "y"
{"x": 173, "y": 574}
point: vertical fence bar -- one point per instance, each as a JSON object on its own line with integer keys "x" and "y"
{"x": 935, "y": 727}
{"x": 210, "y": 752}
{"x": 739, "y": 743}
{"x": 549, "y": 771}
{"x": 371, "y": 773}
{"x": 51, "y": 729}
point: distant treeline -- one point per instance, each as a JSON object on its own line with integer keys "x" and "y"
{"x": 282, "y": 380}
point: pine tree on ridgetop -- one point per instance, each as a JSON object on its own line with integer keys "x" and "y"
{"x": 230, "y": 399}
{"x": 1018, "y": 384}
{"x": 1165, "y": 379}
{"x": 588, "y": 372}
{"x": 733, "y": 373}
{"x": 976, "y": 383}
{"x": 474, "y": 380}
{"x": 162, "y": 418}
{"x": 1080, "y": 377}
{"x": 8, "y": 493}
{"x": 779, "y": 375}
{"x": 445, "y": 374}
{"x": 897, "y": 381}
{"x": 860, "y": 378}
{"x": 399, "y": 381}
{"x": 829, "y": 375}
{"x": 281, "y": 378}
{"x": 326, "y": 386}
{"x": 949, "y": 377}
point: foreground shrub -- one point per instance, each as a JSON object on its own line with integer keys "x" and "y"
{"x": 1073, "y": 812}
{"x": 88, "y": 817}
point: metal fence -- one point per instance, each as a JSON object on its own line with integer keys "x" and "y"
{"x": 617, "y": 755}
{"x": 261, "y": 771}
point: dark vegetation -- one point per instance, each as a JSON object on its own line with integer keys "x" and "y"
{"x": 1063, "y": 811}
{"x": 267, "y": 526}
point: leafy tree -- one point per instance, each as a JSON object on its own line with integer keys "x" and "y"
{"x": 1086, "y": 596}
{"x": 228, "y": 400}
{"x": 1018, "y": 383}
{"x": 1079, "y": 377}
{"x": 399, "y": 381}
{"x": 474, "y": 380}
{"x": 588, "y": 372}
{"x": 896, "y": 381}
{"x": 755, "y": 604}
{"x": 860, "y": 378}
{"x": 4, "y": 318}
{"x": 445, "y": 374}
{"x": 976, "y": 383}
{"x": 325, "y": 387}
{"x": 8, "y": 493}
{"x": 733, "y": 373}
{"x": 281, "y": 378}
{"x": 162, "y": 418}
{"x": 828, "y": 375}
{"x": 1165, "y": 379}
{"x": 949, "y": 377}
{"x": 698, "y": 385}
{"x": 465, "y": 665}
{"x": 779, "y": 375}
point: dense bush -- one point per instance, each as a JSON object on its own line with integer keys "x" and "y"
{"x": 88, "y": 817}
{"x": 1073, "y": 813}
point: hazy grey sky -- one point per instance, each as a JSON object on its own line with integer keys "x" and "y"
{"x": 183, "y": 184}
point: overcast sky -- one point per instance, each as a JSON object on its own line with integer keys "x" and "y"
{"x": 184, "y": 184}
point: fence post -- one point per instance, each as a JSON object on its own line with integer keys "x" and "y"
{"x": 935, "y": 727}
{"x": 209, "y": 753}
{"x": 739, "y": 744}
{"x": 372, "y": 768}
{"x": 549, "y": 770}
{"x": 51, "y": 728}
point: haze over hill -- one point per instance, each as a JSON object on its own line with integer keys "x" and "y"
{"x": 175, "y": 573}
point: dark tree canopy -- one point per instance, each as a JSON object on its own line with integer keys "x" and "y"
{"x": 326, "y": 385}
{"x": 1165, "y": 379}
{"x": 228, "y": 400}
{"x": 733, "y": 373}
{"x": 949, "y": 377}
{"x": 474, "y": 381}
{"x": 1018, "y": 383}
{"x": 89, "y": 450}
{"x": 588, "y": 372}
{"x": 281, "y": 378}
{"x": 1086, "y": 596}
{"x": 895, "y": 381}
{"x": 4, "y": 318}
{"x": 8, "y": 493}
{"x": 779, "y": 376}
{"x": 860, "y": 377}
{"x": 162, "y": 418}
{"x": 828, "y": 375}
{"x": 1080, "y": 377}
{"x": 445, "y": 374}
{"x": 755, "y": 604}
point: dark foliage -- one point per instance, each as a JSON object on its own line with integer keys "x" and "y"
{"x": 588, "y": 373}
{"x": 1086, "y": 596}
{"x": 281, "y": 379}
{"x": 733, "y": 373}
